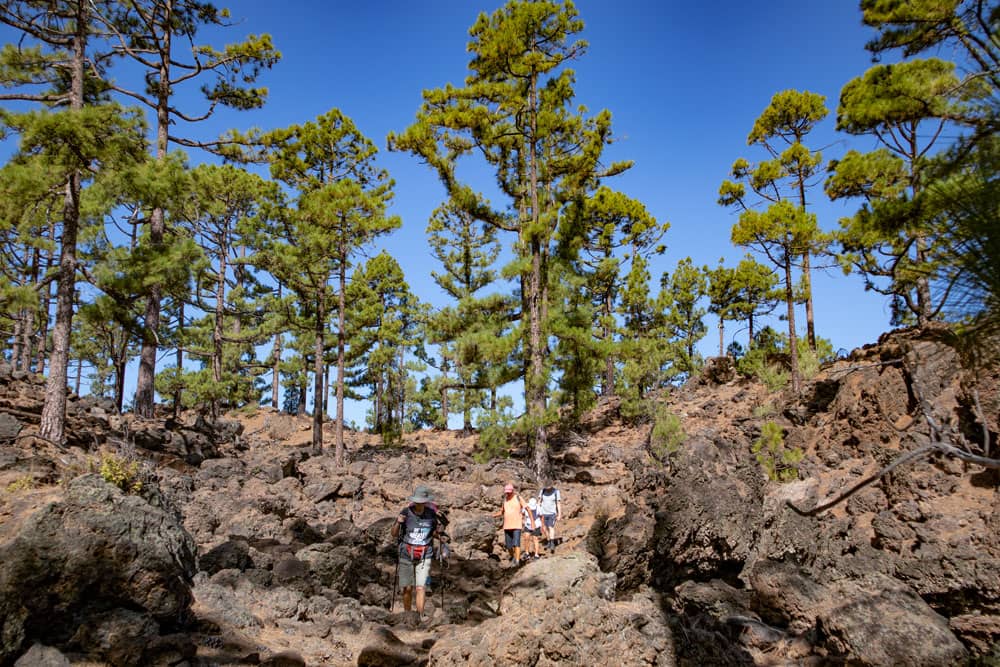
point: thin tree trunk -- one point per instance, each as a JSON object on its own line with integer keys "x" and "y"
{"x": 793, "y": 343}
{"x": 807, "y": 287}
{"x": 341, "y": 351}
{"x": 44, "y": 324}
{"x": 722, "y": 336}
{"x": 144, "y": 392}
{"x": 317, "y": 431}
{"x": 220, "y": 314}
{"x": 17, "y": 342}
{"x": 609, "y": 363}
{"x": 119, "y": 386}
{"x": 53, "y": 418}
{"x": 276, "y": 370}
{"x": 303, "y": 384}
{"x": 27, "y": 334}
{"x": 179, "y": 393}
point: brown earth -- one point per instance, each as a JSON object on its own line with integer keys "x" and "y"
{"x": 692, "y": 557}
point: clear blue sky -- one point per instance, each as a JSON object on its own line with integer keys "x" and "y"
{"x": 684, "y": 82}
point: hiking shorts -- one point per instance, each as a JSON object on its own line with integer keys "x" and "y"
{"x": 414, "y": 572}
{"x": 512, "y": 537}
{"x": 549, "y": 520}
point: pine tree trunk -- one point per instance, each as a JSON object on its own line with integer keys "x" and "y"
{"x": 144, "y": 389}
{"x": 276, "y": 370}
{"x": 27, "y": 334}
{"x": 536, "y": 371}
{"x": 341, "y": 361}
{"x": 15, "y": 347}
{"x": 807, "y": 287}
{"x": 119, "y": 386}
{"x": 178, "y": 392}
{"x": 304, "y": 379}
{"x": 722, "y": 336}
{"x": 609, "y": 364}
{"x": 220, "y": 305}
{"x": 53, "y": 419}
{"x": 317, "y": 430}
{"x": 793, "y": 343}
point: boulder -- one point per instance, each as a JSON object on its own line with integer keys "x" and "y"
{"x": 96, "y": 553}
{"x": 563, "y": 610}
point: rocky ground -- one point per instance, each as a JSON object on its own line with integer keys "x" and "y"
{"x": 242, "y": 547}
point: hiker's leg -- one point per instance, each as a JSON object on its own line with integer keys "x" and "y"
{"x": 517, "y": 546}
{"x": 422, "y": 571}
{"x": 406, "y": 576}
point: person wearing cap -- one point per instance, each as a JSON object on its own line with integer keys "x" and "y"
{"x": 415, "y": 529}
{"x": 533, "y": 528}
{"x": 550, "y": 509}
{"x": 510, "y": 512}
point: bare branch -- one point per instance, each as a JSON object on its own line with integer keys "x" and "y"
{"x": 916, "y": 454}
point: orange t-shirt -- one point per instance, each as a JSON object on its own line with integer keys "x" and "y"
{"x": 512, "y": 512}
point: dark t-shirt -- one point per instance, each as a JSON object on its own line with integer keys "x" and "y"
{"x": 418, "y": 528}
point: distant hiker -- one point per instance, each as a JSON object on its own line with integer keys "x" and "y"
{"x": 550, "y": 507}
{"x": 533, "y": 527}
{"x": 415, "y": 527}
{"x": 510, "y": 511}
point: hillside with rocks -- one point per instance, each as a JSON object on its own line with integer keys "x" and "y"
{"x": 231, "y": 543}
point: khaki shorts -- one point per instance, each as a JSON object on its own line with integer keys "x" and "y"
{"x": 410, "y": 570}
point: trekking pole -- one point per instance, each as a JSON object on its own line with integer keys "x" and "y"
{"x": 441, "y": 570}
{"x": 395, "y": 578}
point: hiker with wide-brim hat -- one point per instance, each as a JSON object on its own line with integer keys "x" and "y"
{"x": 415, "y": 528}
{"x": 510, "y": 512}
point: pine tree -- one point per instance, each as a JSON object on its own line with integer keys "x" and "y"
{"x": 683, "y": 319}
{"x": 383, "y": 318}
{"x": 54, "y": 67}
{"x": 467, "y": 250}
{"x": 785, "y": 231}
{"x": 341, "y": 201}
{"x": 159, "y": 37}
{"x": 225, "y": 202}
{"x": 617, "y": 230}
{"x": 905, "y": 107}
{"x": 514, "y": 112}
{"x": 786, "y": 121}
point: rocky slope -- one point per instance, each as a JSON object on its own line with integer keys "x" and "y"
{"x": 241, "y": 547}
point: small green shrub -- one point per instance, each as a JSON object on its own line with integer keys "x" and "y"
{"x": 667, "y": 435}
{"x": 120, "y": 472}
{"x": 773, "y": 376}
{"x": 764, "y": 410}
{"x": 810, "y": 361}
{"x": 22, "y": 483}
{"x": 780, "y": 463}
{"x": 495, "y": 431}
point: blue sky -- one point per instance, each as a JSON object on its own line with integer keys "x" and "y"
{"x": 684, "y": 82}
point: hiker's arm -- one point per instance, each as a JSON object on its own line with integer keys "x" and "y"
{"x": 559, "y": 510}
{"x": 395, "y": 527}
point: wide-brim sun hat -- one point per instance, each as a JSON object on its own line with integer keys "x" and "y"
{"x": 532, "y": 503}
{"x": 421, "y": 494}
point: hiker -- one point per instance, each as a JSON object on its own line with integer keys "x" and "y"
{"x": 415, "y": 528}
{"x": 533, "y": 527}
{"x": 550, "y": 507}
{"x": 510, "y": 511}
